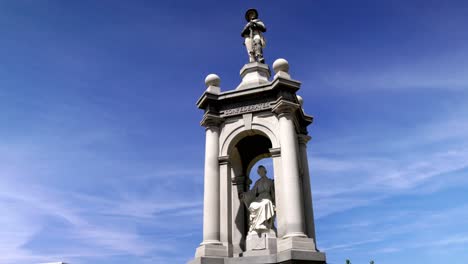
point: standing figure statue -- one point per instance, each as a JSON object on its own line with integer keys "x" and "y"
{"x": 254, "y": 40}
{"x": 260, "y": 201}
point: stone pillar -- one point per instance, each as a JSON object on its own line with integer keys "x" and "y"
{"x": 211, "y": 245}
{"x": 225, "y": 203}
{"x": 308, "y": 208}
{"x": 280, "y": 205}
{"x": 290, "y": 178}
{"x": 237, "y": 214}
{"x": 211, "y": 195}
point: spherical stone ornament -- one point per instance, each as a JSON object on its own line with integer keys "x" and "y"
{"x": 301, "y": 101}
{"x": 212, "y": 80}
{"x": 281, "y": 65}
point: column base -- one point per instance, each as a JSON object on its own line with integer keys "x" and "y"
{"x": 207, "y": 260}
{"x": 296, "y": 243}
{"x": 301, "y": 257}
{"x": 212, "y": 250}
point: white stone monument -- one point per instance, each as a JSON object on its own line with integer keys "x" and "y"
{"x": 260, "y": 118}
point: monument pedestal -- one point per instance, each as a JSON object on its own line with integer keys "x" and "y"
{"x": 254, "y": 74}
{"x": 261, "y": 244}
{"x": 285, "y": 257}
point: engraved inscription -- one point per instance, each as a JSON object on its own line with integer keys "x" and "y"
{"x": 245, "y": 109}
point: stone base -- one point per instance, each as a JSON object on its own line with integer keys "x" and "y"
{"x": 301, "y": 257}
{"x": 212, "y": 250}
{"x": 285, "y": 257}
{"x": 263, "y": 244}
{"x": 296, "y": 243}
{"x": 254, "y": 74}
{"x": 261, "y": 250}
{"x": 207, "y": 260}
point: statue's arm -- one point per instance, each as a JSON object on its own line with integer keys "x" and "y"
{"x": 246, "y": 30}
{"x": 260, "y": 26}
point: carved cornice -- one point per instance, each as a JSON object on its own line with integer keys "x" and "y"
{"x": 303, "y": 139}
{"x": 211, "y": 120}
{"x": 282, "y": 107}
{"x": 206, "y": 97}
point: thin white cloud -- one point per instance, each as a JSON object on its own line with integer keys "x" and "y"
{"x": 343, "y": 180}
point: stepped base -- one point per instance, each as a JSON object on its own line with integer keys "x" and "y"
{"x": 284, "y": 257}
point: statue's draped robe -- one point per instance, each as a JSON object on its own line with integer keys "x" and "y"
{"x": 260, "y": 201}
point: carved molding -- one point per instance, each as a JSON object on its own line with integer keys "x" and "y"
{"x": 223, "y": 160}
{"x": 303, "y": 139}
{"x": 211, "y": 120}
{"x": 283, "y": 107}
{"x": 275, "y": 152}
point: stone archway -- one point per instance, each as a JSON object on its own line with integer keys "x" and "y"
{"x": 246, "y": 149}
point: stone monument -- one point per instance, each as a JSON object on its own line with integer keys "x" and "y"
{"x": 260, "y": 118}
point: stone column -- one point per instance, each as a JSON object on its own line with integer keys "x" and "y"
{"x": 290, "y": 178}
{"x": 237, "y": 214}
{"x": 211, "y": 195}
{"x": 211, "y": 245}
{"x": 308, "y": 208}
{"x": 225, "y": 203}
{"x": 279, "y": 203}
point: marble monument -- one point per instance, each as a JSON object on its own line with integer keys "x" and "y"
{"x": 262, "y": 117}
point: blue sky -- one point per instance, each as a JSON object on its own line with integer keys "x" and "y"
{"x": 101, "y": 152}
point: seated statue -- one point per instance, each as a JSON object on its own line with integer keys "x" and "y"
{"x": 260, "y": 202}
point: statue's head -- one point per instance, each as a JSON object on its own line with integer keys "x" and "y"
{"x": 251, "y": 14}
{"x": 262, "y": 171}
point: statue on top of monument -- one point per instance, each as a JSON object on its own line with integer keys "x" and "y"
{"x": 260, "y": 201}
{"x": 254, "y": 40}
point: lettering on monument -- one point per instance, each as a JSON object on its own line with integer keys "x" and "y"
{"x": 245, "y": 109}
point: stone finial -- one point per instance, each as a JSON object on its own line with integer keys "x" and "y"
{"x": 281, "y": 65}
{"x": 281, "y": 68}
{"x": 212, "y": 82}
{"x": 301, "y": 101}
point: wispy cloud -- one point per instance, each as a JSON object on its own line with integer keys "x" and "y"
{"x": 90, "y": 225}
{"x": 418, "y": 162}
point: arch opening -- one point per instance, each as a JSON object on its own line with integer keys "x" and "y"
{"x": 246, "y": 150}
{"x": 252, "y": 148}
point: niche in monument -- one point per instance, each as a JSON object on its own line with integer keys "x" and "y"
{"x": 261, "y": 118}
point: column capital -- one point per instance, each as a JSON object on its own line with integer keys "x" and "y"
{"x": 223, "y": 160}
{"x": 238, "y": 180}
{"x": 303, "y": 139}
{"x": 211, "y": 120}
{"x": 275, "y": 152}
{"x": 283, "y": 107}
